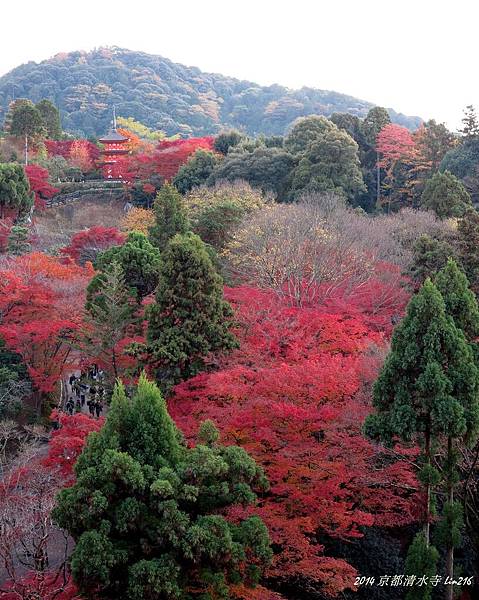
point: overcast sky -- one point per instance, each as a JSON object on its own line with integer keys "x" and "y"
{"x": 419, "y": 57}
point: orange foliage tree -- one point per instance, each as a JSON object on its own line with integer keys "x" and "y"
{"x": 80, "y": 156}
{"x": 138, "y": 219}
{"x": 41, "y": 303}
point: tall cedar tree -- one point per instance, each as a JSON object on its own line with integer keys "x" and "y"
{"x": 460, "y": 301}
{"x": 110, "y": 313}
{"x": 427, "y": 387}
{"x": 429, "y": 256}
{"x": 139, "y": 260}
{"x": 470, "y": 129}
{"x": 461, "y": 305}
{"x": 144, "y": 511}
{"x": 421, "y": 559}
{"x": 190, "y": 318}
{"x": 170, "y": 216}
{"x": 376, "y": 119}
{"x": 468, "y": 244}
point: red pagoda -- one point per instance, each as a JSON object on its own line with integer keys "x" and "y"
{"x": 114, "y": 147}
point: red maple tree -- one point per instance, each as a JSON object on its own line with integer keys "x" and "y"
{"x": 165, "y": 160}
{"x": 39, "y": 184}
{"x": 294, "y": 397}
{"x": 85, "y": 245}
{"x": 64, "y": 148}
{"x": 41, "y": 303}
{"x": 394, "y": 143}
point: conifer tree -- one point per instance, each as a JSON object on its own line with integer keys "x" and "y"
{"x": 421, "y": 561}
{"x": 470, "y": 129}
{"x": 195, "y": 171}
{"x": 427, "y": 387}
{"x": 110, "y": 313}
{"x": 15, "y": 193}
{"x": 190, "y": 318}
{"x": 376, "y": 119}
{"x": 18, "y": 240}
{"x": 170, "y": 216}
{"x": 461, "y": 304}
{"x": 139, "y": 260}
{"x": 429, "y": 256}
{"x": 145, "y": 511}
{"x": 468, "y": 243}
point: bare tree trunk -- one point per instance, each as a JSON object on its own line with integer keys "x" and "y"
{"x": 450, "y": 546}
{"x": 427, "y": 452}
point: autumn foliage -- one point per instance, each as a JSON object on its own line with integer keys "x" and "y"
{"x": 80, "y": 156}
{"x": 67, "y": 441}
{"x": 41, "y": 302}
{"x": 393, "y": 143}
{"x": 39, "y": 184}
{"x": 76, "y": 149}
{"x": 27, "y": 495}
{"x": 293, "y": 396}
{"x": 85, "y": 245}
{"x": 165, "y": 160}
{"x": 138, "y": 219}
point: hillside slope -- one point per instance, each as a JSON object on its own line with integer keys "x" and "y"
{"x": 166, "y": 95}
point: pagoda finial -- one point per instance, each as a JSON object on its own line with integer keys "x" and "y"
{"x": 114, "y": 118}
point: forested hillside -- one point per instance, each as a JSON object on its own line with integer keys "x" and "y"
{"x": 166, "y": 95}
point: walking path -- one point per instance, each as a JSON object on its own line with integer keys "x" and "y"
{"x": 84, "y": 393}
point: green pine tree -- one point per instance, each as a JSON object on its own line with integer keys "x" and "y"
{"x": 461, "y": 304}
{"x": 170, "y": 216}
{"x": 195, "y": 171}
{"x": 468, "y": 244}
{"x": 109, "y": 315}
{"x": 429, "y": 256}
{"x": 190, "y": 318}
{"x": 139, "y": 260}
{"x": 145, "y": 511}
{"x": 18, "y": 240}
{"x": 27, "y": 120}
{"x": 421, "y": 561}
{"x": 15, "y": 191}
{"x": 427, "y": 388}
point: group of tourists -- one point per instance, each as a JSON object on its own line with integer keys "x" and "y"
{"x": 87, "y": 389}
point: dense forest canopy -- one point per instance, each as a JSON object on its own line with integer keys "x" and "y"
{"x": 282, "y": 332}
{"x": 166, "y": 95}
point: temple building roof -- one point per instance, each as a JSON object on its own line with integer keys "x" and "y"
{"x": 113, "y": 136}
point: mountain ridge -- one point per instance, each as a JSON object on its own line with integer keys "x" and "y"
{"x": 167, "y": 95}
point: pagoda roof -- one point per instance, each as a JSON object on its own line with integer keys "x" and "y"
{"x": 113, "y": 136}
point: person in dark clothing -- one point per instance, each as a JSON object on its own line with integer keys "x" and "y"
{"x": 98, "y": 408}
{"x": 82, "y": 399}
{"x": 72, "y": 379}
{"x": 70, "y": 406}
{"x": 91, "y": 407}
